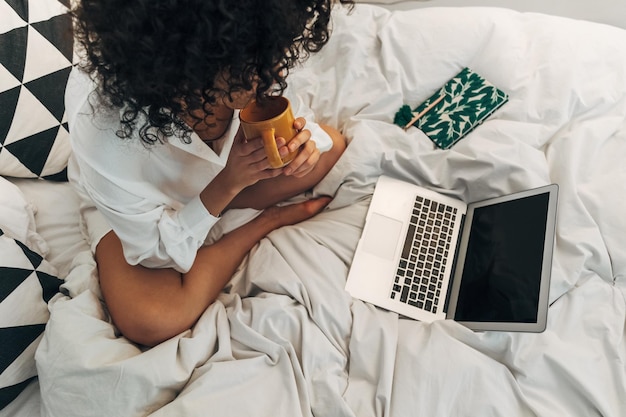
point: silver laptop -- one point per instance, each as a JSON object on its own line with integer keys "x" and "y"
{"x": 429, "y": 257}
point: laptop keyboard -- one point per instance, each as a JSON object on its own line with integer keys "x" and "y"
{"x": 419, "y": 278}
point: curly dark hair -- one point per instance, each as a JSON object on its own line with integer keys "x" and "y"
{"x": 156, "y": 59}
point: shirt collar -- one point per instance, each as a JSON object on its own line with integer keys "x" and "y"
{"x": 200, "y": 149}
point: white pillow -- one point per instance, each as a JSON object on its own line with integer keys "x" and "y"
{"x": 17, "y": 218}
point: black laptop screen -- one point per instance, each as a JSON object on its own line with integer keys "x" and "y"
{"x": 502, "y": 273}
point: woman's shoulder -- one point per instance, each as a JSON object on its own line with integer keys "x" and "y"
{"x": 94, "y": 128}
{"x": 84, "y": 108}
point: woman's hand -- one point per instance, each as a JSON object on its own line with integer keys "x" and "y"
{"x": 247, "y": 164}
{"x": 308, "y": 155}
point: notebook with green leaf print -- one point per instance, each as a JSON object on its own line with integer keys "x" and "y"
{"x": 456, "y": 109}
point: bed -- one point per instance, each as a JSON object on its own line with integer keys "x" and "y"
{"x": 285, "y": 338}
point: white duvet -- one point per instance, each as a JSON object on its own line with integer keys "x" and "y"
{"x": 285, "y": 339}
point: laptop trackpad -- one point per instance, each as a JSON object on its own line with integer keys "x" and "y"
{"x": 382, "y": 236}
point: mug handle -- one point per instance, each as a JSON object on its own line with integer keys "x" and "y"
{"x": 271, "y": 150}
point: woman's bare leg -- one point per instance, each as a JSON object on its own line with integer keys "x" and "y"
{"x": 266, "y": 193}
{"x": 151, "y": 305}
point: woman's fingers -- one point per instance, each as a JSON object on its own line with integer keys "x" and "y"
{"x": 297, "y": 141}
{"x": 304, "y": 162}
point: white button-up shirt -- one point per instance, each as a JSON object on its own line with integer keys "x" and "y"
{"x": 149, "y": 195}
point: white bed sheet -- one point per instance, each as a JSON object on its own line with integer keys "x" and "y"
{"x": 611, "y": 12}
{"x": 285, "y": 339}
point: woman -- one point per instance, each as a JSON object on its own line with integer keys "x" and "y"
{"x": 157, "y": 153}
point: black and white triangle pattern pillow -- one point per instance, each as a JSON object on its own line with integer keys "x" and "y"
{"x": 36, "y": 55}
{"x": 27, "y": 283}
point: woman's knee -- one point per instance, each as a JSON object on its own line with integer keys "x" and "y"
{"x": 137, "y": 298}
{"x": 339, "y": 142}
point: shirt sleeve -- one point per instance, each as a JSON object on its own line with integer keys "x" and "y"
{"x": 153, "y": 235}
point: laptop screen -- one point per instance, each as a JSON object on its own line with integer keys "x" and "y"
{"x": 503, "y": 264}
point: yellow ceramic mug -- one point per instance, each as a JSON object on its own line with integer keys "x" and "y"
{"x": 269, "y": 119}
